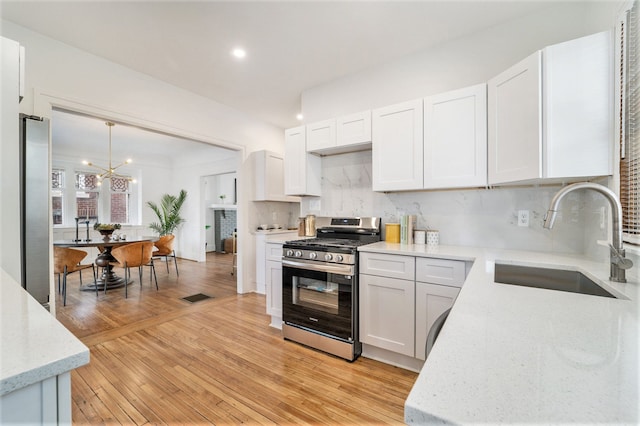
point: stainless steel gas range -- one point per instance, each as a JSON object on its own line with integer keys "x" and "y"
{"x": 320, "y": 285}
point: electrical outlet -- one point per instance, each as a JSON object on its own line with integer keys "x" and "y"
{"x": 523, "y": 217}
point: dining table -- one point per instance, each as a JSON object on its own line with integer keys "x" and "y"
{"x": 105, "y": 260}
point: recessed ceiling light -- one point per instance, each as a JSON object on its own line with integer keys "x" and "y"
{"x": 239, "y": 52}
{"x": 300, "y": 117}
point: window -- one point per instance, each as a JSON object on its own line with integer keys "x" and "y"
{"x": 119, "y": 202}
{"x": 57, "y": 195}
{"x": 108, "y": 203}
{"x": 629, "y": 121}
{"x": 87, "y": 195}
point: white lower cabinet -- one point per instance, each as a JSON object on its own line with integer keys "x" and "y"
{"x": 274, "y": 288}
{"x": 45, "y": 402}
{"x": 401, "y": 296}
{"x": 431, "y": 301}
{"x": 273, "y": 282}
{"x": 387, "y": 313}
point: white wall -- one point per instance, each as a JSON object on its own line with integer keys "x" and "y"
{"x": 460, "y": 63}
{"x": 468, "y": 217}
{"x": 58, "y": 75}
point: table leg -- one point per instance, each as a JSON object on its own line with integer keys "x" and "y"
{"x": 108, "y": 276}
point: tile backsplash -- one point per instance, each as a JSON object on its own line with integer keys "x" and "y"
{"x": 469, "y": 217}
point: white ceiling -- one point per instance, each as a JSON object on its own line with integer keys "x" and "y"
{"x": 292, "y": 45}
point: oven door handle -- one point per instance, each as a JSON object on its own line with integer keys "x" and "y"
{"x": 314, "y": 266}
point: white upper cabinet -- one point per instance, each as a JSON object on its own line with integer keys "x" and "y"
{"x": 354, "y": 130}
{"x": 302, "y": 171}
{"x": 515, "y": 122}
{"x": 551, "y": 115}
{"x": 321, "y": 135}
{"x": 269, "y": 169}
{"x": 455, "y": 139}
{"x": 397, "y": 147}
{"x": 339, "y": 135}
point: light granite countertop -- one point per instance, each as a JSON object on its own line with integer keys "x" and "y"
{"x": 512, "y": 354}
{"x": 35, "y": 346}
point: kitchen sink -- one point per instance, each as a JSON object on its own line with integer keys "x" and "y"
{"x": 550, "y": 279}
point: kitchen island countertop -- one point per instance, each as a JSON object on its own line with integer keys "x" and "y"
{"x": 513, "y": 354}
{"x": 35, "y": 346}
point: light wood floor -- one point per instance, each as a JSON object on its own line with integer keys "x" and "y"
{"x": 156, "y": 359}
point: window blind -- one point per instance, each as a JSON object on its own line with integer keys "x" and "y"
{"x": 629, "y": 45}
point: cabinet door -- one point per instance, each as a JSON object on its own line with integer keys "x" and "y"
{"x": 455, "y": 139}
{"x": 578, "y": 107}
{"x": 387, "y": 313}
{"x": 397, "y": 147}
{"x": 261, "y": 259}
{"x": 440, "y": 271}
{"x": 388, "y": 265}
{"x": 269, "y": 169}
{"x": 354, "y": 129}
{"x": 321, "y": 135}
{"x": 431, "y": 301}
{"x": 274, "y": 288}
{"x": 302, "y": 171}
{"x": 515, "y": 122}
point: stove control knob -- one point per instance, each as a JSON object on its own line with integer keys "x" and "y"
{"x": 312, "y": 255}
{"x": 339, "y": 258}
{"x": 328, "y": 257}
{"x": 298, "y": 253}
{"x": 289, "y": 253}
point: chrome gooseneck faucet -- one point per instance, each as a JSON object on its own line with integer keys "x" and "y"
{"x": 619, "y": 264}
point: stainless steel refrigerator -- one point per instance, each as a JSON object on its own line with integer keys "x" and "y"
{"x": 35, "y": 206}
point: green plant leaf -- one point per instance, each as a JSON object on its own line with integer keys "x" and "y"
{"x": 168, "y": 213}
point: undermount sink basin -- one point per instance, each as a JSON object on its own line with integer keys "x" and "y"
{"x": 550, "y": 279}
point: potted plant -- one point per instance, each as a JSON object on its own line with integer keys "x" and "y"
{"x": 106, "y": 229}
{"x": 168, "y": 213}
{"x": 222, "y": 197}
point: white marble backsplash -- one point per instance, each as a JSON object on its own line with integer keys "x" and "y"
{"x": 273, "y": 213}
{"x": 470, "y": 217}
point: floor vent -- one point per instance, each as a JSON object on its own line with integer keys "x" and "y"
{"x": 197, "y": 298}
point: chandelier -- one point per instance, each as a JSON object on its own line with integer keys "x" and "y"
{"x": 110, "y": 171}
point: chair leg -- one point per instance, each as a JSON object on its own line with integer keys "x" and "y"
{"x": 166, "y": 261}
{"x": 175, "y": 261}
{"x": 140, "y": 274}
{"x": 59, "y": 287}
{"x": 126, "y": 280}
{"x": 95, "y": 278}
{"x": 153, "y": 269}
{"x": 80, "y": 272}
{"x": 64, "y": 287}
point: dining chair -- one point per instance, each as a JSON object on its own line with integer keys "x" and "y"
{"x": 165, "y": 249}
{"x": 134, "y": 255}
{"x": 66, "y": 261}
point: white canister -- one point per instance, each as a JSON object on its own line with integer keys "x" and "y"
{"x": 419, "y": 237}
{"x": 433, "y": 238}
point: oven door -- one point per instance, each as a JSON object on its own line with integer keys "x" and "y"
{"x": 320, "y": 297}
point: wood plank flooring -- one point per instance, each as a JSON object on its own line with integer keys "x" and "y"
{"x": 156, "y": 359}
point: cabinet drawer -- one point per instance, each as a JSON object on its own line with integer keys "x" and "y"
{"x": 274, "y": 252}
{"x": 440, "y": 271}
{"x": 388, "y": 265}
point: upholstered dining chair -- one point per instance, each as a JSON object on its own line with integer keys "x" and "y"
{"x": 66, "y": 261}
{"x": 134, "y": 255}
{"x": 165, "y": 249}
